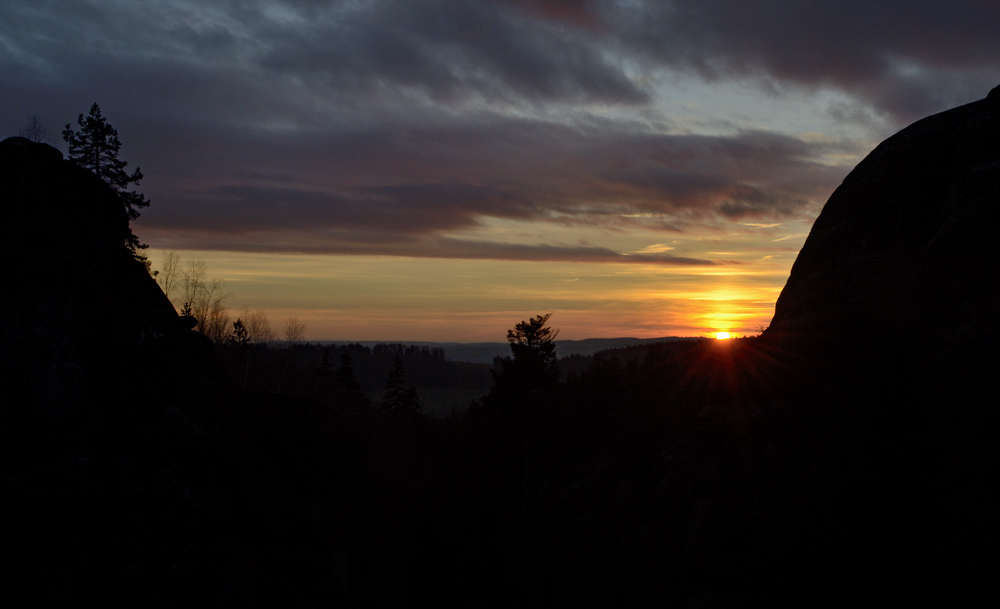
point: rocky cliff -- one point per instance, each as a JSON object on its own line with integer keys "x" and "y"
{"x": 132, "y": 473}
{"x": 78, "y": 305}
{"x": 906, "y": 245}
{"x": 887, "y": 337}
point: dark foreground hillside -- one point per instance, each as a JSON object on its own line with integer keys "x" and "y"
{"x": 132, "y": 473}
{"x": 847, "y": 454}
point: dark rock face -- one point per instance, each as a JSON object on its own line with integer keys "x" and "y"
{"x": 64, "y": 226}
{"x": 48, "y": 202}
{"x": 888, "y": 332}
{"x": 78, "y": 303}
{"x": 131, "y": 470}
{"x": 906, "y": 244}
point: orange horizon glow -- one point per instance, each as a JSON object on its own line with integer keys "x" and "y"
{"x": 722, "y": 335}
{"x": 396, "y": 299}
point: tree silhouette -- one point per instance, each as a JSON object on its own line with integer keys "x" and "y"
{"x": 397, "y": 396}
{"x": 240, "y": 335}
{"x": 258, "y": 327}
{"x": 349, "y": 389}
{"x": 35, "y": 131}
{"x": 294, "y": 331}
{"x": 169, "y": 274}
{"x": 532, "y": 365}
{"x": 533, "y": 342}
{"x": 95, "y": 147}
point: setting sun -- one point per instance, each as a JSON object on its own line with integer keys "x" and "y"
{"x": 722, "y": 335}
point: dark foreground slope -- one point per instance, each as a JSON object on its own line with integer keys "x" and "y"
{"x": 131, "y": 474}
{"x": 889, "y": 328}
{"x": 847, "y": 454}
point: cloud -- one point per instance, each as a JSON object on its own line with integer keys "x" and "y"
{"x": 344, "y": 242}
{"x": 571, "y": 12}
{"x": 656, "y": 248}
{"x": 429, "y": 182}
{"x": 562, "y": 253}
{"x": 451, "y": 51}
{"x": 906, "y": 59}
{"x": 384, "y": 127}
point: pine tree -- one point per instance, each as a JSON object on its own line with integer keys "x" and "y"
{"x": 349, "y": 389}
{"x": 532, "y": 367}
{"x": 95, "y": 147}
{"x": 240, "y": 335}
{"x": 397, "y": 396}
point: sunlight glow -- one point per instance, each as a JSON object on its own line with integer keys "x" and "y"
{"x": 722, "y": 335}
{"x": 356, "y": 298}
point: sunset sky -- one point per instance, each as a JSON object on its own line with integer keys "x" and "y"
{"x": 440, "y": 170}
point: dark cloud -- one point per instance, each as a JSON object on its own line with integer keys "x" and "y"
{"x": 899, "y": 55}
{"x": 578, "y": 13}
{"x": 352, "y": 242}
{"x": 431, "y": 182}
{"x": 906, "y": 58}
{"x": 459, "y": 248}
{"x": 450, "y": 51}
{"x": 383, "y": 125}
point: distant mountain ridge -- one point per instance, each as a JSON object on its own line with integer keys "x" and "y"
{"x": 483, "y": 353}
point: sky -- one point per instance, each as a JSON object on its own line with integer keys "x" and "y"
{"x": 439, "y": 170}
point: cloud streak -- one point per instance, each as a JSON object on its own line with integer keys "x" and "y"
{"x": 356, "y": 243}
{"x": 438, "y": 181}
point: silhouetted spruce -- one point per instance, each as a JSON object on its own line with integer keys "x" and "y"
{"x": 348, "y": 386}
{"x": 532, "y": 366}
{"x": 240, "y": 335}
{"x": 95, "y": 147}
{"x": 398, "y": 397}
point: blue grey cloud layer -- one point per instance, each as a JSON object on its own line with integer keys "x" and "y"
{"x": 377, "y": 127}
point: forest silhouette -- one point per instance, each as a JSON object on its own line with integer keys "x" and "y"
{"x": 847, "y": 452}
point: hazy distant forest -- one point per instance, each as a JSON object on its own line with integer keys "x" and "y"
{"x": 182, "y": 455}
{"x": 261, "y": 359}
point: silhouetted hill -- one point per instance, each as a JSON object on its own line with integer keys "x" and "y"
{"x": 485, "y": 353}
{"x": 884, "y": 347}
{"x": 132, "y": 473}
{"x": 906, "y": 245}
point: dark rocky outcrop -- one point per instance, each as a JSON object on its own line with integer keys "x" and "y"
{"x": 132, "y": 473}
{"x": 76, "y": 298}
{"x": 888, "y": 337}
{"x": 906, "y": 245}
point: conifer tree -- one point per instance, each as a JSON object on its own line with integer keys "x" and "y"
{"x": 532, "y": 366}
{"x": 240, "y": 335}
{"x": 397, "y": 396}
{"x": 95, "y": 147}
{"x": 349, "y": 387}
{"x": 532, "y": 345}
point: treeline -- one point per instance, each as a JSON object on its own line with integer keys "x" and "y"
{"x": 573, "y": 366}
{"x": 543, "y": 491}
{"x": 353, "y": 376}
